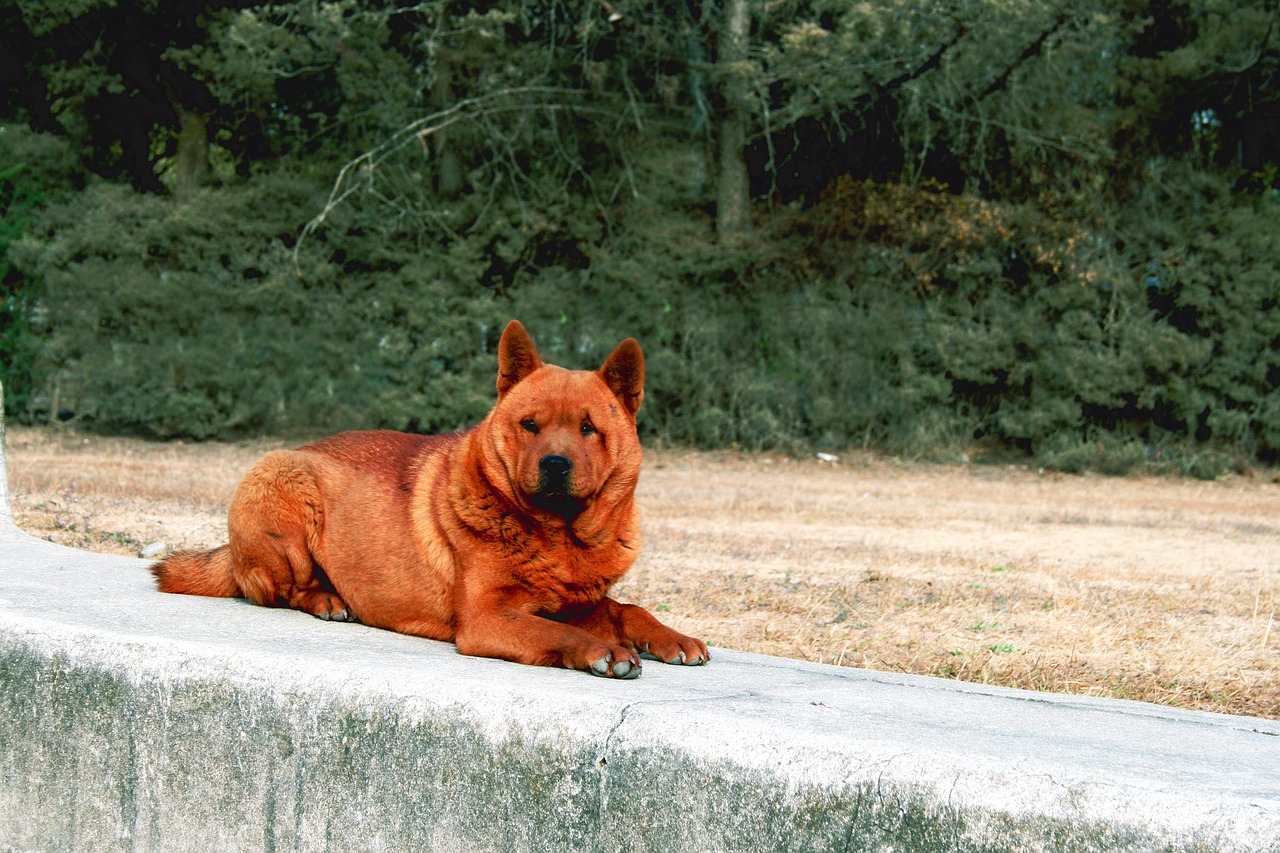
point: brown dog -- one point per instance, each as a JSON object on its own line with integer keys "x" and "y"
{"x": 504, "y": 539}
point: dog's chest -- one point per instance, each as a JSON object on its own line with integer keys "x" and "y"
{"x": 570, "y": 576}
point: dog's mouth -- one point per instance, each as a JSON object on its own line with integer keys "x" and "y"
{"x": 558, "y": 503}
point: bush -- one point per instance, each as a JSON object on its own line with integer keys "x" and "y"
{"x": 31, "y": 174}
{"x": 904, "y": 319}
{"x": 174, "y": 318}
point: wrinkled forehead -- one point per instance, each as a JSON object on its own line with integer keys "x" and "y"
{"x": 555, "y": 389}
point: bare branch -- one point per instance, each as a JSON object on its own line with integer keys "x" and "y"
{"x": 358, "y": 173}
{"x": 1031, "y": 52}
{"x": 1061, "y": 144}
{"x": 934, "y": 60}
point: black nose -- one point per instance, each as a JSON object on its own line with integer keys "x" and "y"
{"x": 555, "y": 470}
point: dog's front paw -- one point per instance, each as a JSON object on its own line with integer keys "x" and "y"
{"x": 610, "y": 668}
{"x": 609, "y": 662}
{"x": 677, "y": 649}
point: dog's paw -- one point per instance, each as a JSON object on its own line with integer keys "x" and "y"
{"x": 677, "y": 649}
{"x": 606, "y": 661}
{"x": 343, "y": 615}
{"x": 324, "y": 605}
{"x": 609, "y": 668}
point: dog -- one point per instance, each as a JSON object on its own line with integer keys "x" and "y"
{"x": 504, "y": 539}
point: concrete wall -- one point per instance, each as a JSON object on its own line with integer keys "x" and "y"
{"x": 131, "y": 720}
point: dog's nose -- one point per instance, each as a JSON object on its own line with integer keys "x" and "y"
{"x": 555, "y": 468}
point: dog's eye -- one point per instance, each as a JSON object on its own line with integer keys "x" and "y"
{"x": 587, "y": 428}
{"x": 530, "y": 426}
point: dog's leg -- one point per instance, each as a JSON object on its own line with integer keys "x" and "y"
{"x": 633, "y": 626}
{"x": 275, "y": 518}
{"x": 500, "y": 626}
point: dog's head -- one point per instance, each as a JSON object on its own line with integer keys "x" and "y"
{"x": 564, "y": 440}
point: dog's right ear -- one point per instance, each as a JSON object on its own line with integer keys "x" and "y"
{"x": 517, "y": 356}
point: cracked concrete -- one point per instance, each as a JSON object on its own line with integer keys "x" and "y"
{"x": 131, "y": 720}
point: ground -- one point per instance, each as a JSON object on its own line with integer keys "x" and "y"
{"x": 1158, "y": 589}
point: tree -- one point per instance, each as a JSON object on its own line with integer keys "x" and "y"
{"x": 101, "y": 74}
{"x": 732, "y": 190}
{"x": 1024, "y": 222}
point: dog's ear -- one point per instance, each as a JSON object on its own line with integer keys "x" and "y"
{"x": 517, "y": 356}
{"x": 623, "y": 372}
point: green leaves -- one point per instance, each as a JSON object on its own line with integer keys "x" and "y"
{"x": 1009, "y": 225}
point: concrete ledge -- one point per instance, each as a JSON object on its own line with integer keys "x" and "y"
{"x": 135, "y": 721}
{"x": 131, "y": 720}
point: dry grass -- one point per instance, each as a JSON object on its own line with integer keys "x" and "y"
{"x": 1162, "y": 590}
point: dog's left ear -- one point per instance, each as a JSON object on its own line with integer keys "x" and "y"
{"x": 623, "y": 372}
{"x": 517, "y": 356}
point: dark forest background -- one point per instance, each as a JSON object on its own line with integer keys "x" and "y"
{"x": 1037, "y": 228}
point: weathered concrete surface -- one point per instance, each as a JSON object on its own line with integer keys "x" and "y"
{"x": 131, "y": 720}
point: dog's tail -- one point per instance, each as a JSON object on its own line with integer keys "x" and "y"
{"x": 198, "y": 573}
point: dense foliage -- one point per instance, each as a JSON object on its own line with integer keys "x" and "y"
{"x": 1026, "y": 226}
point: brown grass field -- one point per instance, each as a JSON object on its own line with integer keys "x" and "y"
{"x": 1156, "y": 589}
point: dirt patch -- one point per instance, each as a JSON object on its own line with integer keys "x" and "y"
{"x": 1163, "y": 590}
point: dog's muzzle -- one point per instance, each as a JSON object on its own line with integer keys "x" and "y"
{"x": 555, "y": 475}
{"x": 554, "y": 472}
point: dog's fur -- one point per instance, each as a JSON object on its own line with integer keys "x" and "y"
{"x": 504, "y": 538}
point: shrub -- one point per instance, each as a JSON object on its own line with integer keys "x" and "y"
{"x": 906, "y": 319}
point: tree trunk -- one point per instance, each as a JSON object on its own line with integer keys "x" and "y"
{"x": 448, "y": 169}
{"x": 191, "y": 165}
{"x": 732, "y": 190}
